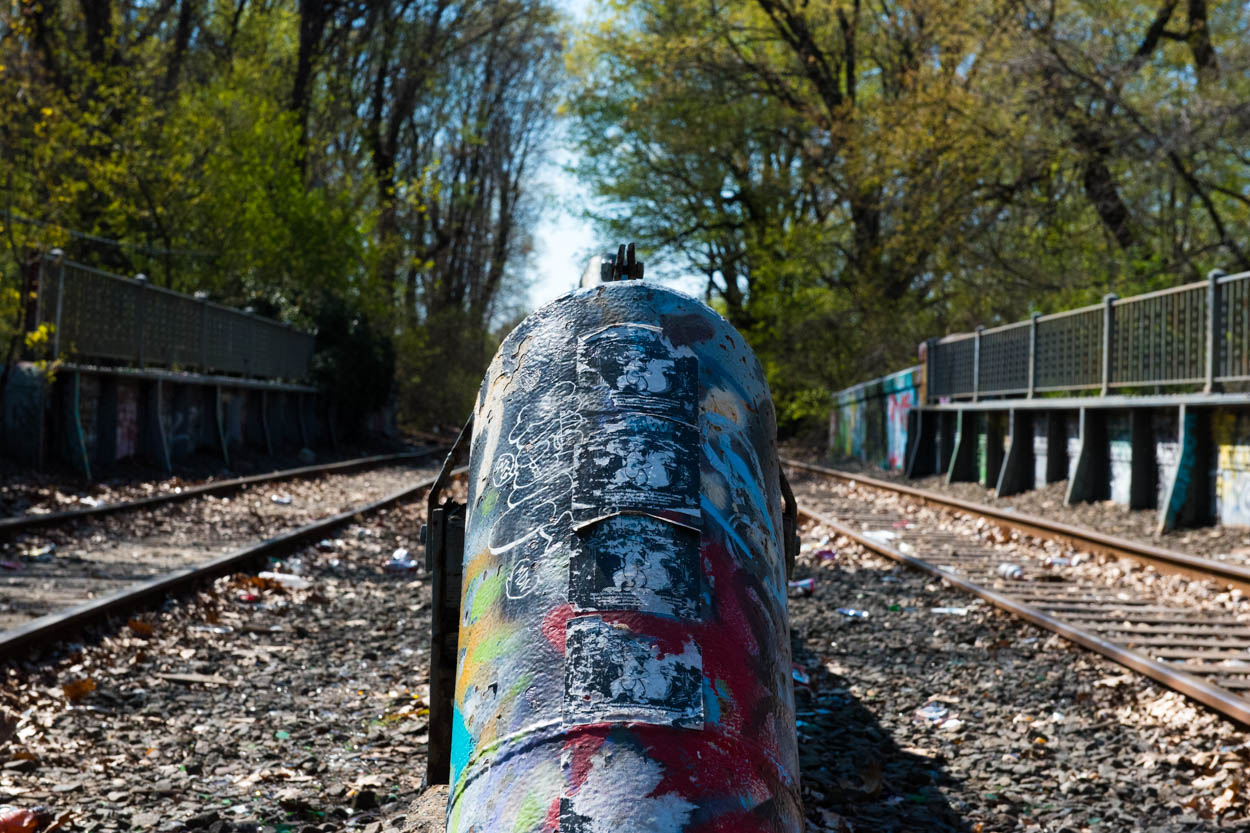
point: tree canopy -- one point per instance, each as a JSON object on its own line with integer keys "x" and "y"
{"x": 358, "y": 167}
{"x": 852, "y": 176}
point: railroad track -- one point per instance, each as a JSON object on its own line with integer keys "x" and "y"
{"x": 20, "y": 523}
{"x": 149, "y": 589}
{"x": 1192, "y": 645}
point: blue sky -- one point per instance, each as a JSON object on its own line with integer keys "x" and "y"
{"x": 564, "y": 239}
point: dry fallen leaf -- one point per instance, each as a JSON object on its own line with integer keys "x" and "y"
{"x": 140, "y": 627}
{"x": 78, "y": 689}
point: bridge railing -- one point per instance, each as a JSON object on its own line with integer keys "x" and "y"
{"x": 96, "y": 315}
{"x": 1191, "y": 336}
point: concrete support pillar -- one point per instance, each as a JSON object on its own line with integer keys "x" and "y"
{"x": 990, "y": 443}
{"x": 73, "y": 440}
{"x": 1091, "y": 479}
{"x": 944, "y": 442}
{"x": 1189, "y": 499}
{"x": 305, "y": 433}
{"x": 1016, "y": 474}
{"x": 963, "y": 461}
{"x": 1145, "y": 471}
{"x": 218, "y": 422}
{"x": 266, "y": 425}
{"x": 152, "y": 438}
{"x": 922, "y": 436}
{"x": 1056, "y": 447}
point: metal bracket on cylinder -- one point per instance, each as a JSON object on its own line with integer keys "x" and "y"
{"x": 623, "y": 267}
{"x": 789, "y": 524}
{"x": 444, "y": 561}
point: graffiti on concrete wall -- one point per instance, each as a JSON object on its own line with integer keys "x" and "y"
{"x": 1165, "y": 429}
{"x": 1120, "y": 453}
{"x": 898, "y": 406}
{"x": 1041, "y": 449}
{"x": 1230, "y": 433}
{"x": 869, "y": 421}
{"x": 21, "y": 424}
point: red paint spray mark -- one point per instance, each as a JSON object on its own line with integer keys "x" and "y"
{"x": 554, "y": 624}
{"x": 578, "y": 751}
{"x": 551, "y": 824}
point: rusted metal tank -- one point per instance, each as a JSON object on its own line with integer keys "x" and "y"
{"x": 624, "y": 656}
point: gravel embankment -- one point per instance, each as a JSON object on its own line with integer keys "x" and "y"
{"x": 45, "y": 569}
{"x": 1222, "y": 542}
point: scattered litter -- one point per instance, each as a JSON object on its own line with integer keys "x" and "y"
{"x": 932, "y": 712}
{"x": 881, "y": 536}
{"x": 852, "y": 613}
{"x": 1010, "y": 571}
{"x": 891, "y": 579}
{"x": 902, "y": 525}
{"x": 802, "y": 587}
{"x": 90, "y": 502}
{"x": 43, "y": 553}
{"x": 950, "y": 611}
{"x": 211, "y": 628}
{"x": 20, "y": 820}
{"x": 401, "y": 561}
{"x": 328, "y": 544}
{"x": 800, "y": 676}
{"x": 11, "y": 565}
{"x": 282, "y": 499}
{"x": 288, "y": 580}
{"x": 952, "y": 725}
{"x": 1058, "y": 561}
{"x": 826, "y": 555}
{"x": 193, "y": 679}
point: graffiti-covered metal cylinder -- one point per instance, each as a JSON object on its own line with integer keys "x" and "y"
{"x": 624, "y": 656}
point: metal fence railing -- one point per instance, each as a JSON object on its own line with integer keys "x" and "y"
{"x": 96, "y": 315}
{"x": 1196, "y": 335}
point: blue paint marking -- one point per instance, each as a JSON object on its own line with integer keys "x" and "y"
{"x": 711, "y": 703}
{"x": 1184, "y": 470}
{"x": 711, "y": 511}
{"x": 738, "y": 472}
{"x": 461, "y": 744}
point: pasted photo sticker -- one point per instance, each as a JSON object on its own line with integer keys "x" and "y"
{"x": 612, "y": 673}
{"x": 638, "y": 462}
{"x": 629, "y": 368}
{"x": 636, "y": 562}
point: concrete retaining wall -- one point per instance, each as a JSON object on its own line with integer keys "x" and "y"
{"x": 869, "y": 422}
{"x": 92, "y": 418}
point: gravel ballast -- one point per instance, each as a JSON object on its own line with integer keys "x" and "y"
{"x": 256, "y": 706}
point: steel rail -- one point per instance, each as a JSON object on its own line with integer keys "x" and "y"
{"x": 40, "y": 632}
{"x": 1165, "y": 560}
{"x": 1218, "y": 698}
{"x": 20, "y": 522}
